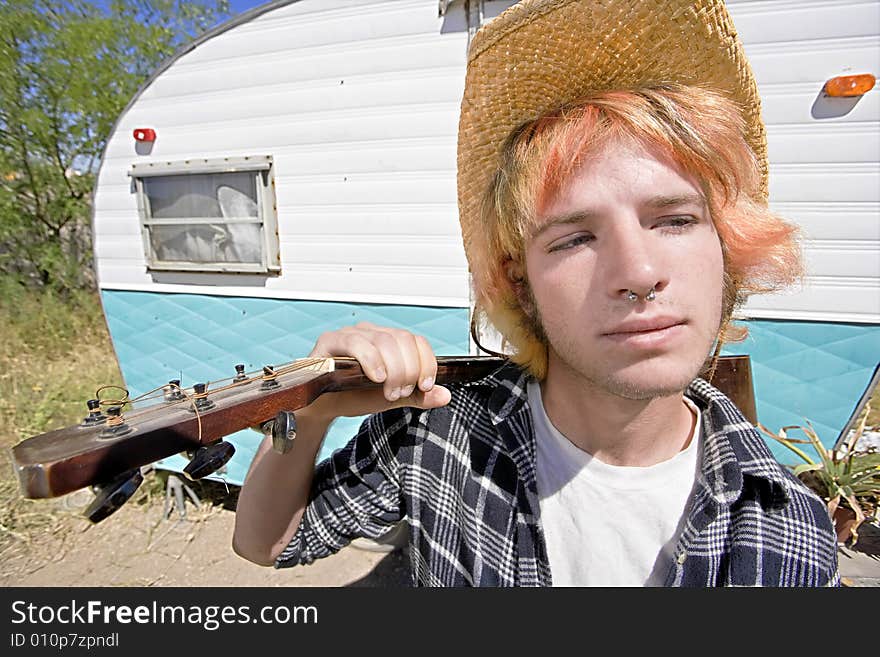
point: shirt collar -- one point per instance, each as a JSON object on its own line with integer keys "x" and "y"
{"x": 734, "y": 454}
{"x": 506, "y": 390}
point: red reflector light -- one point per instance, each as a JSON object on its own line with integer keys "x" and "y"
{"x": 144, "y": 134}
{"x": 850, "y": 85}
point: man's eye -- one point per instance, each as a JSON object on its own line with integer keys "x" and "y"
{"x": 570, "y": 242}
{"x": 677, "y": 223}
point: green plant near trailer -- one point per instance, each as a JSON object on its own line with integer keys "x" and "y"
{"x": 846, "y": 478}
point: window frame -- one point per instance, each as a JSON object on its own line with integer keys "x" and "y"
{"x": 263, "y": 169}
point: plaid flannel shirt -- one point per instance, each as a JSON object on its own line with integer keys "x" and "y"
{"x": 464, "y": 477}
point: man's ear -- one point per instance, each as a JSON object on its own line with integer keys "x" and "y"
{"x": 515, "y": 272}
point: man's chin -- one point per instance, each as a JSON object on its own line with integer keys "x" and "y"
{"x": 639, "y": 391}
{"x": 648, "y": 382}
{"x": 642, "y": 378}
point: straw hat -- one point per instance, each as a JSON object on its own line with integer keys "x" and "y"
{"x": 541, "y": 54}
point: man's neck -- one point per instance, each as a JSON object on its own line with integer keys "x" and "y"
{"x": 614, "y": 429}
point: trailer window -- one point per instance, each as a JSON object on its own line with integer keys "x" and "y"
{"x": 196, "y": 216}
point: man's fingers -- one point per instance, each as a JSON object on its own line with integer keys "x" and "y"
{"x": 357, "y": 345}
{"x": 402, "y": 362}
{"x": 428, "y": 363}
{"x": 395, "y": 362}
{"x": 410, "y": 363}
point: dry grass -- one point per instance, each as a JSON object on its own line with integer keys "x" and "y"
{"x": 54, "y": 354}
{"x": 874, "y": 411}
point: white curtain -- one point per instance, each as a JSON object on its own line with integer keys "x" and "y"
{"x": 230, "y": 196}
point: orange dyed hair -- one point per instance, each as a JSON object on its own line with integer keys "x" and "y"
{"x": 698, "y": 129}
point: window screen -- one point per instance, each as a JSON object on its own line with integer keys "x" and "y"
{"x": 213, "y": 221}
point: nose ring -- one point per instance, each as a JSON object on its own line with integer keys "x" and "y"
{"x": 650, "y": 296}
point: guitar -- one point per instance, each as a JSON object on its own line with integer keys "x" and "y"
{"x": 107, "y": 450}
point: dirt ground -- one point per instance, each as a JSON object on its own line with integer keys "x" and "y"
{"x": 139, "y": 546}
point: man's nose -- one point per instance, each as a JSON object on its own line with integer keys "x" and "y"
{"x": 634, "y": 264}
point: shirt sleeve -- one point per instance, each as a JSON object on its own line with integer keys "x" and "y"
{"x": 355, "y": 492}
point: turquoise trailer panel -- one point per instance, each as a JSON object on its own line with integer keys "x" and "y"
{"x": 811, "y": 372}
{"x": 195, "y": 337}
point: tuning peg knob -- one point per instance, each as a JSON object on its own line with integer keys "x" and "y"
{"x": 208, "y": 459}
{"x": 116, "y": 425}
{"x": 269, "y": 378}
{"x": 172, "y": 391}
{"x": 200, "y": 393}
{"x": 113, "y": 494}
{"x": 283, "y": 432}
{"x": 95, "y": 415}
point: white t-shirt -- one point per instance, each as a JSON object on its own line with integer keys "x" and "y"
{"x": 607, "y": 525}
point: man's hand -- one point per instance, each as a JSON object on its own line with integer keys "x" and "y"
{"x": 276, "y": 489}
{"x": 403, "y": 363}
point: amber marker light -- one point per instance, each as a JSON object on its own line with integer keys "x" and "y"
{"x": 850, "y": 85}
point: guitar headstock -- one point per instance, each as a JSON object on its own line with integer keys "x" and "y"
{"x": 118, "y": 436}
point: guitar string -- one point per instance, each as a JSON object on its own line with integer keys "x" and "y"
{"x": 122, "y": 402}
{"x": 285, "y": 369}
{"x": 190, "y": 398}
{"x": 160, "y": 390}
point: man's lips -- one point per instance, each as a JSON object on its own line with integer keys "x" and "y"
{"x": 646, "y": 332}
{"x": 644, "y": 325}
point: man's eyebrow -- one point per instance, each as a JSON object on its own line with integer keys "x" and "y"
{"x": 562, "y": 220}
{"x": 661, "y": 202}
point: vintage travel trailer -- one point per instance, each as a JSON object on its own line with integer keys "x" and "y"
{"x": 293, "y": 171}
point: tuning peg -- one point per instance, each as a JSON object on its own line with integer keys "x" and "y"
{"x": 113, "y": 494}
{"x": 269, "y": 378}
{"x": 95, "y": 415}
{"x": 200, "y": 392}
{"x": 208, "y": 459}
{"x": 116, "y": 425}
{"x": 172, "y": 391}
{"x": 283, "y": 432}
{"x": 239, "y": 374}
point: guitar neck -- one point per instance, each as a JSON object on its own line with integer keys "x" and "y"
{"x": 64, "y": 460}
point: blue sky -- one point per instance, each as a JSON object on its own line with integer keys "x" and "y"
{"x": 238, "y": 6}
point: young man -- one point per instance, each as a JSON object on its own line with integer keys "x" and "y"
{"x": 612, "y": 193}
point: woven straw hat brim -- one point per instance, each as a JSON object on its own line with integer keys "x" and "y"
{"x": 542, "y": 54}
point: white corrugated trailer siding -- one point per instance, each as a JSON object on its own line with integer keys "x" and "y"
{"x": 357, "y": 103}
{"x": 825, "y": 162}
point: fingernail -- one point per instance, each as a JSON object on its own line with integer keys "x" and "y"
{"x": 407, "y": 391}
{"x": 395, "y": 395}
{"x": 427, "y": 383}
{"x": 380, "y": 373}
